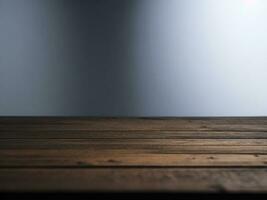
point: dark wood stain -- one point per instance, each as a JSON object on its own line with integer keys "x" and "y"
{"x": 59, "y": 154}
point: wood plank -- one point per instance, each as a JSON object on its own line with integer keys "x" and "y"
{"x": 83, "y": 134}
{"x": 165, "y": 146}
{"x": 128, "y": 124}
{"x": 173, "y": 145}
{"x": 115, "y": 158}
{"x": 159, "y": 146}
{"x": 134, "y": 179}
{"x": 133, "y": 154}
{"x": 126, "y": 143}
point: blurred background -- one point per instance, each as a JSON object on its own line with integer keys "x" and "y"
{"x": 133, "y": 57}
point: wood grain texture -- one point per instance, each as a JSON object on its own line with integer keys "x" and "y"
{"x": 133, "y": 134}
{"x": 70, "y": 158}
{"x": 139, "y": 179}
{"x": 129, "y": 124}
{"x": 133, "y": 154}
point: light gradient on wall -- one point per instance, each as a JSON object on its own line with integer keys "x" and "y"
{"x": 133, "y": 57}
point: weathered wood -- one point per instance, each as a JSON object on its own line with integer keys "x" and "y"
{"x": 83, "y": 134}
{"x": 128, "y": 124}
{"x": 121, "y": 179}
{"x": 133, "y": 154}
{"x": 87, "y": 143}
{"x": 101, "y": 158}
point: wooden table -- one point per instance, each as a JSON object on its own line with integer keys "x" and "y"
{"x": 56, "y": 154}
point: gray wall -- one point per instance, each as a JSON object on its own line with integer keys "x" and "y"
{"x": 133, "y": 57}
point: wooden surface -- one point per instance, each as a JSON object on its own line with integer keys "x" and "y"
{"x": 133, "y": 154}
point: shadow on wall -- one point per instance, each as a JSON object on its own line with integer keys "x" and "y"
{"x": 133, "y": 58}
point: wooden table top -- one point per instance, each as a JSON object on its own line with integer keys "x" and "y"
{"x": 68, "y": 154}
